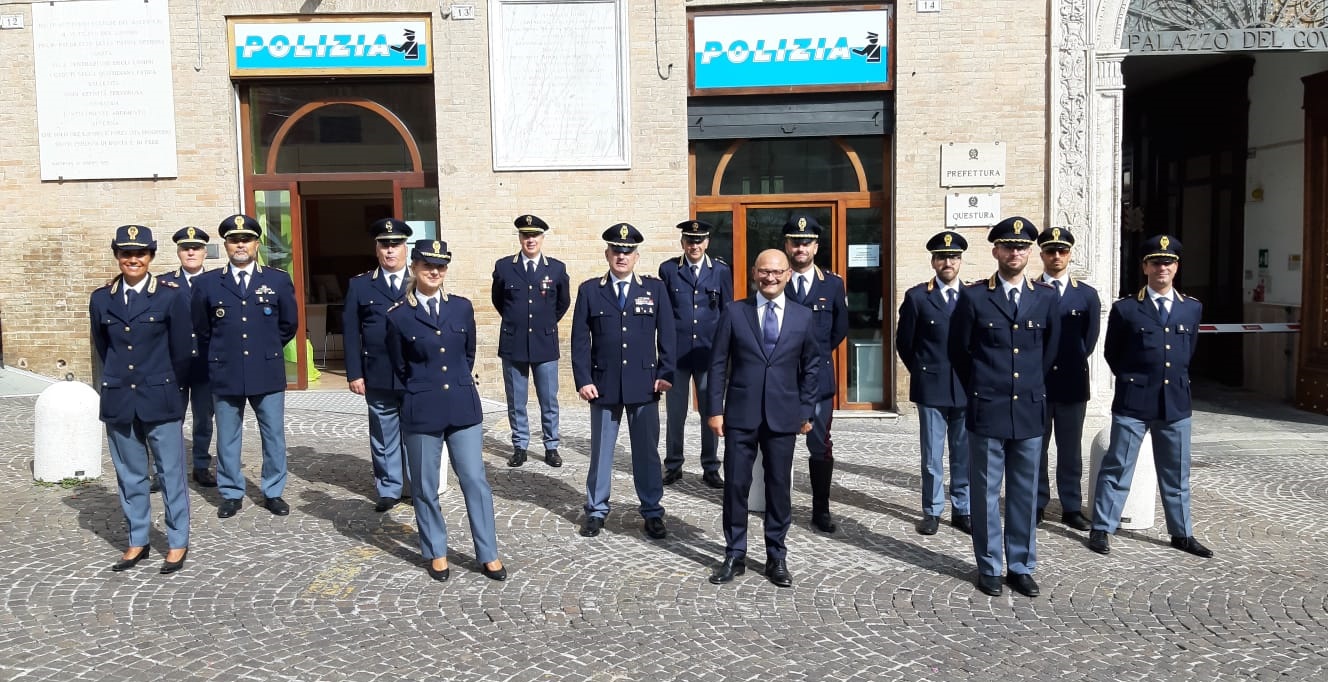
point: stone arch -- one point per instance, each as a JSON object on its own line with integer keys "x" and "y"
{"x": 1109, "y": 24}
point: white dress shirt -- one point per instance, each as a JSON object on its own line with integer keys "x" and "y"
{"x": 780, "y": 305}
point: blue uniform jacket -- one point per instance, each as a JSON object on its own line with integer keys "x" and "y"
{"x": 920, "y": 339}
{"x": 751, "y": 388}
{"x": 1002, "y": 360}
{"x": 198, "y": 371}
{"x": 145, "y": 351}
{"x": 1151, "y": 361}
{"x": 1080, "y": 321}
{"x": 242, "y": 335}
{"x": 697, "y": 303}
{"x": 622, "y": 352}
{"x": 829, "y": 305}
{"x": 434, "y": 361}
{"x": 364, "y": 325}
{"x": 530, "y": 307}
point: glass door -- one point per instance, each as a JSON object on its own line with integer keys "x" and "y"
{"x": 280, "y": 243}
{"x": 864, "y": 280}
{"x": 764, "y": 229}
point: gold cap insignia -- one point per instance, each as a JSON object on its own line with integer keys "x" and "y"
{"x": 802, "y": 223}
{"x": 239, "y": 221}
{"x": 948, "y": 239}
{"x": 530, "y": 219}
{"x": 622, "y": 231}
{"x": 1018, "y": 226}
{"x": 191, "y": 233}
{"x": 390, "y": 226}
{"x": 133, "y": 232}
{"x": 695, "y": 226}
{"x": 1055, "y": 233}
{"x": 437, "y": 246}
{"x": 1164, "y": 242}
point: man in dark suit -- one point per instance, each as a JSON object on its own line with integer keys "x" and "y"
{"x": 1150, "y": 343}
{"x": 699, "y": 288}
{"x": 191, "y": 248}
{"x": 1080, "y": 313}
{"x": 1002, "y": 343}
{"x": 763, "y": 387}
{"x": 244, "y": 314}
{"x": 531, "y": 293}
{"x": 823, "y": 293}
{"x": 924, "y": 328}
{"x": 368, "y": 369}
{"x": 622, "y": 360}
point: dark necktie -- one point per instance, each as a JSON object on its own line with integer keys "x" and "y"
{"x": 530, "y": 268}
{"x": 1163, "y": 314}
{"x": 392, "y": 284}
{"x": 696, "y": 273}
{"x": 770, "y": 328}
{"x": 1057, "y": 283}
{"x": 622, "y": 295}
{"x": 950, "y": 300}
{"x": 1014, "y": 301}
{"x": 244, "y": 282}
{"x": 130, "y": 295}
{"x": 433, "y": 309}
{"x": 802, "y": 289}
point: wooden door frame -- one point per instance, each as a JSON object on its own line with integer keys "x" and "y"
{"x": 1312, "y": 366}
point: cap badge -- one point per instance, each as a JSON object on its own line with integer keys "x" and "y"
{"x": 390, "y": 226}
{"x": 239, "y": 221}
{"x": 695, "y": 226}
{"x": 622, "y": 231}
{"x": 530, "y": 219}
{"x": 191, "y": 232}
{"x": 1164, "y": 242}
{"x": 802, "y": 223}
{"x": 133, "y": 232}
{"x": 1018, "y": 226}
{"x": 1055, "y": 233}
{"x": 948, "y": 239}
{"x": 437, "y": 246}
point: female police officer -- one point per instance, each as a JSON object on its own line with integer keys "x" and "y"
{"x": 142, "y": 332}
{"x": 431, "y": 343}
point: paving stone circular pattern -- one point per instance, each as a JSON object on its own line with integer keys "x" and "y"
{"x": 336, "y": 591}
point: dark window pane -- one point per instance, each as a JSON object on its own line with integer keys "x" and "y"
{"x": 789, "y": 166}
{"x": 708, "y": 153}
{"x": 871, "y": 152}
{"x": 343, "y": 138}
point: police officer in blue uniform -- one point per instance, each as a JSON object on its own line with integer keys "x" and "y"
{"x": 699, "y": 287}
{"x": 143, "y": 337}
{"x": 531, "y": 293}
{"x": 920, "y": 339}
{"x": 1080, "y": 314}
{"x": 368, "y": 369}
{"x": 1149, "y": 345}
{"x": 431, "y": 345}
{"x": 191, "y": 248}
{"x": 622, "y": 360}
{"x": 824, "y": 293}
{"x": 1002, "y": 344}
{"x": 244, "y": 314}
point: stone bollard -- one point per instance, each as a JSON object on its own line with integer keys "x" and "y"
{"x": 68, "y": 432}
{"x": 1140, "y": 504}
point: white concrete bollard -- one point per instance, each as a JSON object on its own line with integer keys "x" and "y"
{"x": 1140, "y": 505}
{"x": 68, "y": 432}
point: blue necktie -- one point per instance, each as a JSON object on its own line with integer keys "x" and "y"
{"x": 530, "y": 268}
{"x": 950, "y": 300}
{"x": 770, "y": 328}
{"x": 1057, "y": 283}
{"x": 244, "y": 282}
{"x": 622, "y": 295}
{"x": 433, "y": 309}
{"x": 1014, "y": 301}
{"x": 1163, "y": 314}
{"x": 392, "y": 284}
{"x": 802, "y": 289}
{"x": 130, "y": 295}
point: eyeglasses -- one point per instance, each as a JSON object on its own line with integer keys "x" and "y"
{"x": 771, "y": 273}
{"x": 240, "y": 239}
{"x": 1059, "y": 250}
{"x": 1017, "y": 248}
{"x": 947, "y": 257}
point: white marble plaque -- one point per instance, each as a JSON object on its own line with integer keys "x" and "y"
{"x": 972, "y": 210}
{"x": 558, "y": 81}
{"x": 105, "y": 104}
{"x": 972, "y": 164}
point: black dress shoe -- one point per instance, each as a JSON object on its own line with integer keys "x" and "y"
{"x": 277, "y": 506}
{"x": 154, "y": 485}
{"x": 126, "y": 564}
{"x": 1099, "y": 542}
{"x": 672, "y": 476}
{"x": 518, "y": 457}
{"x": 385, "y": 503}
{"x": 990, "y": 585}
{"x": 499, "y": 574}
{"x": 440, "y": 576}
{"x": 777, "y": 571}
{"x": 228, "y": 508}
{"x": 963, "y": 522}
{"x": 1191, "y": 545}
{"x": 1024, "y": 584}
{"x": 552, "y": 458}
{"x": 824, "y": 522}
{"x": 654, "y": 527}
{"x": 732, "y": 567}
{"x": 1041, "y": 514}
{"x": 713, "y": 479}
{"x": 592, "y": 526}
{"x": 1076, "y": 520}
{"x": 929, "y": 524}
{"x": 170, "y": 567}
{"x": 204, "y": 478}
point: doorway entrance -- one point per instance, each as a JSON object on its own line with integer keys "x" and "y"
{"x": 323, "y": 161}
{"x": 748, "y": 189}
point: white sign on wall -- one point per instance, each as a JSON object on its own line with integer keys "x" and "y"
{"x": 972, "y": 210}
{"x": 972, "y": 164}
{"x": 105, "y": 104}
{"x": 559, "y": 94}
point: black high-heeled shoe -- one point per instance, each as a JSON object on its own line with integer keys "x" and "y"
{"x": 440, "y": 576}
{"x": 126, "y": 564}
{"x": 170, "y": 567}
{"x": 499, "y": 574}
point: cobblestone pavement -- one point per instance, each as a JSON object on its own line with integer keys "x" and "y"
{"x": 337, "y": 592}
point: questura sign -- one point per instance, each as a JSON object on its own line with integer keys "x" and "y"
{"x": 281, "y": 46}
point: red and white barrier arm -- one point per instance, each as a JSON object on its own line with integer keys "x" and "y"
{"x": 1253, "y": 328}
